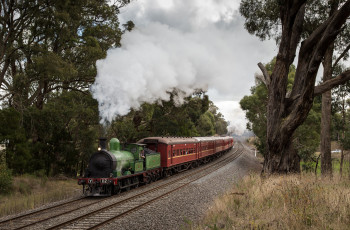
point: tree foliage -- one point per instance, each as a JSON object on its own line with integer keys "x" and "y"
{"x": 49, "y": 120}
{"x": 48, "y": 53}
{"x": 197, "y": 116}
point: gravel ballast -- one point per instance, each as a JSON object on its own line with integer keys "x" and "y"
{"x": 191, "y": 203}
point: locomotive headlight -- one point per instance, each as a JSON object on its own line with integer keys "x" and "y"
{"x": 99, "y": 148}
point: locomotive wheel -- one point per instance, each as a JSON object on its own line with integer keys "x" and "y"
{"x": 154, "y": 177}
{"x": 108, "y": 190}
{"x": 158, "y": 176}
{"x": 116, "y": 189}
{"x": 149, "y": 179}
{"x": 167, "y": 173}
{"x": 127, "y": 183}
{"x": 136, "y": 180}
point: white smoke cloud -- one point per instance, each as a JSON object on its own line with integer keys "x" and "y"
{"x": 179, "y": 44}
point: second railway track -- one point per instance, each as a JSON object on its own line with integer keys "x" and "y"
{"x": 114, "y": 208}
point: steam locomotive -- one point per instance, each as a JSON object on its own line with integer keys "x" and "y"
{"x": 151, "y": 158}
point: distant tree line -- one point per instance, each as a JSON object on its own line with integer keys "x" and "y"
{"x": 48, "y": 118}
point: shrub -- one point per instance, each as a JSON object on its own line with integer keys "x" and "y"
{"x": 5, "y": 179}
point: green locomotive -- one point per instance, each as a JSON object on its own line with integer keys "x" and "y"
{"x": 111, "y": 171}
{"x": 122, "y": 168}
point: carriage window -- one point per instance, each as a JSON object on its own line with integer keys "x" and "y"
{"x": 174, "y": 153}
{"x": 178, "y": 153}
{"x": 169, "y": 154}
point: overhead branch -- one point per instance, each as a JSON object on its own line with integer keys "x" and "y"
{"x": 341, "y": 56}
{"x": 267, "y": 78}
{"x": 333, "y": 29}
{"x": 296, "y": 32}
{"x": 308, "y": 44}
{"x": 328, "y": 85}
{"x": 297, "y": 5}
{"x": 313, "y": 49}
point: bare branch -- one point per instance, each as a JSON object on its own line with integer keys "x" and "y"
{"x": 261, "y": 78}
{"x": 267, "y": 78}
{"x": 341, "y": 56}
{"x": 328, "y": 85}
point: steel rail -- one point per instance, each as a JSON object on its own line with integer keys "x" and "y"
{"x": 35, "y": 222}
{"x": 151, "y": 190}
{"x": 38, "y": 211}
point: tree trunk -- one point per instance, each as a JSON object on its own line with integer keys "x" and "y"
{"x": 326, "y": 157}
{"x": 287, "y": 111}
{"x": 343, "y": 137}
{"x": 288, "y": 162}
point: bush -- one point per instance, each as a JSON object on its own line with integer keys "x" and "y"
{"x": 5, "y": 179}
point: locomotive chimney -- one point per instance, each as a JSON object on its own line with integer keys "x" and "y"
{"x": 103, "y": 142}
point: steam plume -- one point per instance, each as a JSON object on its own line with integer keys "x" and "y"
{"x": 184, "y": 45}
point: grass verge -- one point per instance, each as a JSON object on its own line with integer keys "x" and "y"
{"x": 29, "y": 192}
{"x": 282, "y": 202}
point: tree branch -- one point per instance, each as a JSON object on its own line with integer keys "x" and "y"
{"x": 296, "y": 32}
{"x": 341, "y": 56}
{"x": 267, "y": 78}
{"x": 331, "y": 32}
{"x": 328, "y": 85}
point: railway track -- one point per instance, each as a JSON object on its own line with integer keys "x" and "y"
{"x": 107, "y": 214}
{"x": 45, "y": 214}
{"x": 115, "y": 208}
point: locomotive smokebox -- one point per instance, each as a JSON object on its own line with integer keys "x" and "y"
{"x": 103, "y": 142}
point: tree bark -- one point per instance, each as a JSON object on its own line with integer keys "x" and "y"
{"x": 343, "y": 136}
{"x": 326, "y": 158}
{"x": 286, "y": 114}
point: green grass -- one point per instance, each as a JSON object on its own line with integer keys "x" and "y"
{"x": 310, "y": 166}
{"x": 29, "y": 192}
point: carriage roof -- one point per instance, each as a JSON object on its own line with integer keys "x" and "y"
{"x": 179, "y": 140}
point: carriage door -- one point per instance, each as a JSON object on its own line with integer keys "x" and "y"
{"x": 171, "y": 154}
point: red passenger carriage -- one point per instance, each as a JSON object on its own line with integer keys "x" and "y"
{"x": 181, "y": 153}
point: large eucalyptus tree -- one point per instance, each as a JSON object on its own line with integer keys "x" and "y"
{"x": 287, "y": 110}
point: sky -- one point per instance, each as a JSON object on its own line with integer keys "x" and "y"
{"x": 185, "y": 45}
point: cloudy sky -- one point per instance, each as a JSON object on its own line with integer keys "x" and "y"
{"x": 186, "y": 45}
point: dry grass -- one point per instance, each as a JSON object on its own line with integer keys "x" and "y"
{"x": 282, "y": 202}
{"x": 29, "y": 192}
